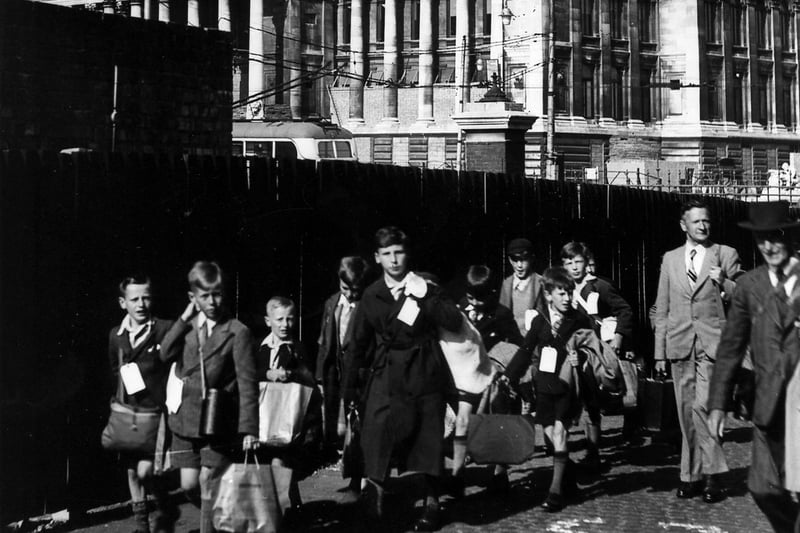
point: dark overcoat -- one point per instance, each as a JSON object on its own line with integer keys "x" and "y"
{"x": 146, "y": 356}
{"x": 610, "y": 303}
{"x": 755, "y": 317}
{"x": 229, "y": 361}
{"x": 403, "y": 412}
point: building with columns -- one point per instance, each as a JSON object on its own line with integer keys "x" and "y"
{"x": 636, "y": 84}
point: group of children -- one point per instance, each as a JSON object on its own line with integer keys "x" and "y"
{"x": 376, "y": 357}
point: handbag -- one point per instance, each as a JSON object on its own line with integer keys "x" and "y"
{"x": 281, "y": 411}
{"x": 252, "y": 498}
{"x": 501, "y": 439}
{"x": 129, "y": 428}
{"x": 657, "y": 402}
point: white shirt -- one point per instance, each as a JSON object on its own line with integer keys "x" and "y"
{"x": 698, "y": 258}
{"x": 555, "y": 315}
{"x": 521, "y": 284}
{"x": 790, "y": 280}
{"x": 202, "y": 319}
{"x": 274, "y": 344}
{"x": 136, "y": 333}
{"x": 395, "y": 287}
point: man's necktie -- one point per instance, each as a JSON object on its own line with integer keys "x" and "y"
{"x": 692, "y": 273}
{"x": 140, "y": 335}
{"x": 780, "y": 293}
{"x": 282, "y": 355}
{"x": 344, "y": 320}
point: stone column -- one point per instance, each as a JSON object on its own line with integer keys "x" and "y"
{"x": 224, "y": 15}
{"x": 426, "y": 75}
{"x": 255, "y": 68}
{"x": 391, "y": 74}
{"x": 163, "y": 10}
{"x": 293, "y": 58}
{"x": 357, "y": 59}
{"x": 148, "y": 9}
{"x": 193, "y": 13}
{"x": 136, "y": 9}
{"x": 464, "y": 23}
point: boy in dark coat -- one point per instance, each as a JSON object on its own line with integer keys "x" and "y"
{"x": 405, "y": 397}
{"x": 137, "y": 341}
{"x": 545, "y": 351}
{"x": 206, "y": 329}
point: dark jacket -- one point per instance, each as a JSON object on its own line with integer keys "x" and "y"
{"x": 146, "y": 355}
{"x": 230, "y": 366}
{"x": 496, "y": 325}
{"x": 291, "y": 357}
{"x": 539, "y": 336}
{"x": 403, "y": 414}
{"x": 610, "y": 303}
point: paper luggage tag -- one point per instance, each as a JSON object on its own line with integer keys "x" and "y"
{"x": 530, "y": 314}
{"x": 591, "y": 303}
{"x": 608, "y": 328}
{"x": 409, "y": 312}
{"x": 547, "y": 362}
{"x": 131, "y": 378}
{"x": 174, "y": 391}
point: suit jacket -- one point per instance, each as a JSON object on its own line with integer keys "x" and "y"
{"x": 754, "y": 318}
{"x": 496, "y": 325}
{"x": 331, "y": 353}
{"x": 683, "y": 313}
{"x": 610, "y": 303}
{"x": 230, "y": 365}
{"x": 146, "y": 356}
{"x": 539, "y": 336}
{"x": 533, "y": 291}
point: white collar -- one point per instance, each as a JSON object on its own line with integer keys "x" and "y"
{"x": 553, "y": 314}
{"x": 274, "y": 342}
{"x": 127, "y": 325}
{"x": 521, "y": 284}
{"x": 202, "y": 319}
{"x": 790, "y": 277}
{"x": 343, "y": 301}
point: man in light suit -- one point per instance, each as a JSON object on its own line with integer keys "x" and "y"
{"x": 521, "y": 291}
{"x": 761, "y": 316}
{"x": 696, "y": 279}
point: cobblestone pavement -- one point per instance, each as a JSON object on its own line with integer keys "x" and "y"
{"x": 637, "y": 494}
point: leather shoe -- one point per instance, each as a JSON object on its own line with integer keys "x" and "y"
{"x": 455, "y": 486}
{"x": 430, "y": 519}
{"x": 712, "y": 491}
{"x": 372, "y": 499}
{"x": 499, "y": 484}
{"x": 688, "y": 489}
{"x": 553, "y": 503}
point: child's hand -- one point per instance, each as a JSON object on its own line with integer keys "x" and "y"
{"x": 250, "y": 442}
{"x": 573, "y": 358}
{"x": 277, "y": 375}
{"x": 189, "y": 312}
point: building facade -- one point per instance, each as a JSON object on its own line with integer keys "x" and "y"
{"x": 665, "y": 87}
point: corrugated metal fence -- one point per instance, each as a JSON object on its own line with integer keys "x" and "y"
{"x": 72, "y": 226}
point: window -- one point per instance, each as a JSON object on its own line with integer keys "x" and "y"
{"x": 787, "y": 102}
{"x": 238, "y": 148}
{"x": 763, "y": 29}
{"x": 325, "y": 149}
{"x": 380, "y": 17}
{"x": 712, "y": 27}
{"x": 561, "y": 90}
{"x": 647, "y": 21}
{"x": 762, "y": 95}
{"x": 259, "y": 148}
{"x": 738, "y": 98}
{"x": 346, "y": 23}
{"x": 561, "y": 22}
{"x": 450, "y": 17}
{"x": 739, "y": 25}
{"x": 285, "y": 149}
{"x": 589, "y": 17}
{"x": 645, "y": 98}
{"x": 713, "y": 99}
{"x": 487, "y": 17}
{"x": 589, "y": 91}
{"x": 618, "y": 94}
{"x": 309, "y": 18}
{"x": 787, "y": 29}
{"x": 414, "y": 4}
{"x": 343, "y": 149}
{"x": 618, "y": 19}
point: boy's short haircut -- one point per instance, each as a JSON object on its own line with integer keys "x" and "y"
{"x": 557, "y": 278}
{"x": 204, "y": 275}
{"x": 573, "y": 249}
{"x": 694, "y": 203}
{"x": 589, "y": 253}
{"x": 133, "y": 279}
{"x": 390, "y": 236}
{"x": 353, "y": 270}
{"x": 480, "y": 282}
{"x": 277, "y": 302}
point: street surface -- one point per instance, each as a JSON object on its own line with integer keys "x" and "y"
{"x": 636, "y": 495}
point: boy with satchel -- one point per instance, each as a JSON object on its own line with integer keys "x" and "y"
{"x": 215, "y": 401}
{"x": 140, "y": 377}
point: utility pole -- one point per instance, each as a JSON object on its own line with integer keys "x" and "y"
{"x": 550, "y": 168}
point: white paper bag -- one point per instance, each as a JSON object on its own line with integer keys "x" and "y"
{"x": 174, "y": 391}
{"x": 281, "y": 410}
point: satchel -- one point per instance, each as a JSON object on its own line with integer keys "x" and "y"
{"x": 129, "y": 428}
{"x": 501, "y": 439}
{"x": 657, "y": 404}
{"x": 281, "y": 410}
{"x": 252, "y": 498}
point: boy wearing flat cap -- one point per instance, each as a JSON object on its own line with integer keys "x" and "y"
{"x": 763, "y": 315}
{"x": 521, "y": 291}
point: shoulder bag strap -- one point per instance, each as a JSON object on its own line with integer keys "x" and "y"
{"x": 120, "y": 396}
{"x": 202, "y": 369}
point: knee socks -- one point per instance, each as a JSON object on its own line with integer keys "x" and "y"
{"x": 559, "y": 466}
{"x": 459, "y": 453}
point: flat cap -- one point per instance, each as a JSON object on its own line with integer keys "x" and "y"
{"x": 520, "y": 247}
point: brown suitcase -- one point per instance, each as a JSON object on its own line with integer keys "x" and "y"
{"x": 656, "y": 401}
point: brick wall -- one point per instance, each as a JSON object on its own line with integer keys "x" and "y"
{"x": 57, "y": 82}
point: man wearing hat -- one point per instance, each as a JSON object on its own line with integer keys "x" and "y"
{"x": 763, "y": 314}
{"x": 521, "y": 290}
{"x": 696, "y": 278}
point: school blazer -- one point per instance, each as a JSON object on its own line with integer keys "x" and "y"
{"x": 230, "y": 365}
{"x": 533, "y": 291}
{"x": 683, "y": 313}
{"x": 774, "y": 345}
{"x": 329, "y": 364}
{"x": 147, "y": 357}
